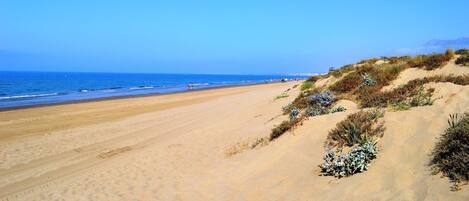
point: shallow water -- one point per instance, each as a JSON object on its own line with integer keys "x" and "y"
{"x": 36, "y": 88}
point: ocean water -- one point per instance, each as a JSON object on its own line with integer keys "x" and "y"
{"x": 18, "y": 89}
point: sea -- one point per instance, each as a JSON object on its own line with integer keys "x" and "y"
{"x": 22, "y": 89}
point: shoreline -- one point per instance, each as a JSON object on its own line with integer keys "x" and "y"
{"x": 135, "y": 96}
{"x": 173, "y": 137}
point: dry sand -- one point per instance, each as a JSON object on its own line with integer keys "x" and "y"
{"x": 172, "y": 147}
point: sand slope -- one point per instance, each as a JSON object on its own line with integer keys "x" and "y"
{"x": 173, "y": 147}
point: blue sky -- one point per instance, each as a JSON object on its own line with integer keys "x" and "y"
{"x": 230, "y": 37}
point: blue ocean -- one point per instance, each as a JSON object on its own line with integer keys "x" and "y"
{"x": 19, "y": 89}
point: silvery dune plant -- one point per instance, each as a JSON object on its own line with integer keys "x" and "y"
{"x": 316, "y": 110}
{"x": 338, "y": 109}
{"x": 355, "y": 161}
{"x": 294, "y": 113}
{"x": 368, "y": 80}
{"x": 325, "y": 98}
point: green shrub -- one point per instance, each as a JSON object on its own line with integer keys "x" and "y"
{"x": 399, "y": 106}
{"x": 313, "y": 79}
{"x": 422, "y": 97}
{"x": 412, "y": 90}
{"x": 369, "y": 61}
{"x": 430, "y": 62}
{"x": 301, "y": 101}
{"x": 348, "y": 83}
{"x": 451, "y": 153}
{"x": 371, "y": 76}
{"x": 462, "y": 51}
{"x": 398, "y": 60}
{"x": 358, "y": 131}
{"x": 338, "y": 109}
{"x": 342, "y": 70}
{"x": 306, "y": 85}
{"x": 283, "y": 127}
{"x": 463, "y": 60}
{"x": 357, "y": 128}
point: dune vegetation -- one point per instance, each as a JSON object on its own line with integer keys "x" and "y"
{"x": 358, "y": 133}
{"x": 463, "y": 58}
{"x": 451, "y": 153}
{"x": 353, "y": 144}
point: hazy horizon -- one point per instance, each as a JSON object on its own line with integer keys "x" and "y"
{"x": 211, "y": 37}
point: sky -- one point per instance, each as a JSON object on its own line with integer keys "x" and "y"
{"x": 217, "y": 37}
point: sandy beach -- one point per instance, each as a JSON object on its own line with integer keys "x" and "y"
{"x": 234, "y": 100}
{"x": 151, "y": 148}
{"x": 173, "y": 147}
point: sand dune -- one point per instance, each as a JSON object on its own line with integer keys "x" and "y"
{"x": 416, "y": 73}
{"x": 172, "y": 147}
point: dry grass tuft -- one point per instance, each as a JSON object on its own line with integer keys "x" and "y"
{"x": 245, "y": 145}
{"x": 283, "y": 127}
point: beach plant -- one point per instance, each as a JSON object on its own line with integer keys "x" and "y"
{"x": 451, "y": 153}
{"x": 360, "y": 132}
{"x": 422, "y": 97}
{"x": 306, "y": 85}
{"x": 430, "y": 62}
{"x": 319, "y": 103}
{"x": 347, "y": 84}
{"x": 373, "y": 76}
{"x": 280, "y": 130}
{"x": 314, "y": 78}
{"x": 463, "y": 60}
{"x": 259, "y": 142}
{"x": 325, "y": 99}
{"x": 399, "y": 106}
{"x": 316, "y": 110}
{"x": 338, "y": 109}
{"x": 462, "y": 51}
{"x": 357, "y": 128}
{"x": 345, "y": 164}
{"x": 337, "y": 73}
{"x": 454, "y": 120}
{"x": 301, "y": 101}
{"x": 283, "y": 95}
{"x": 288, "y": 108}
{"x": 294, "y": 114}
{"x": 367, "y": 80}
{"x": 283, "y": 127}
{"x": 404, "y": 93}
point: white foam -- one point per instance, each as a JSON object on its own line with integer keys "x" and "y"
{"x": 27, "y": 96}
